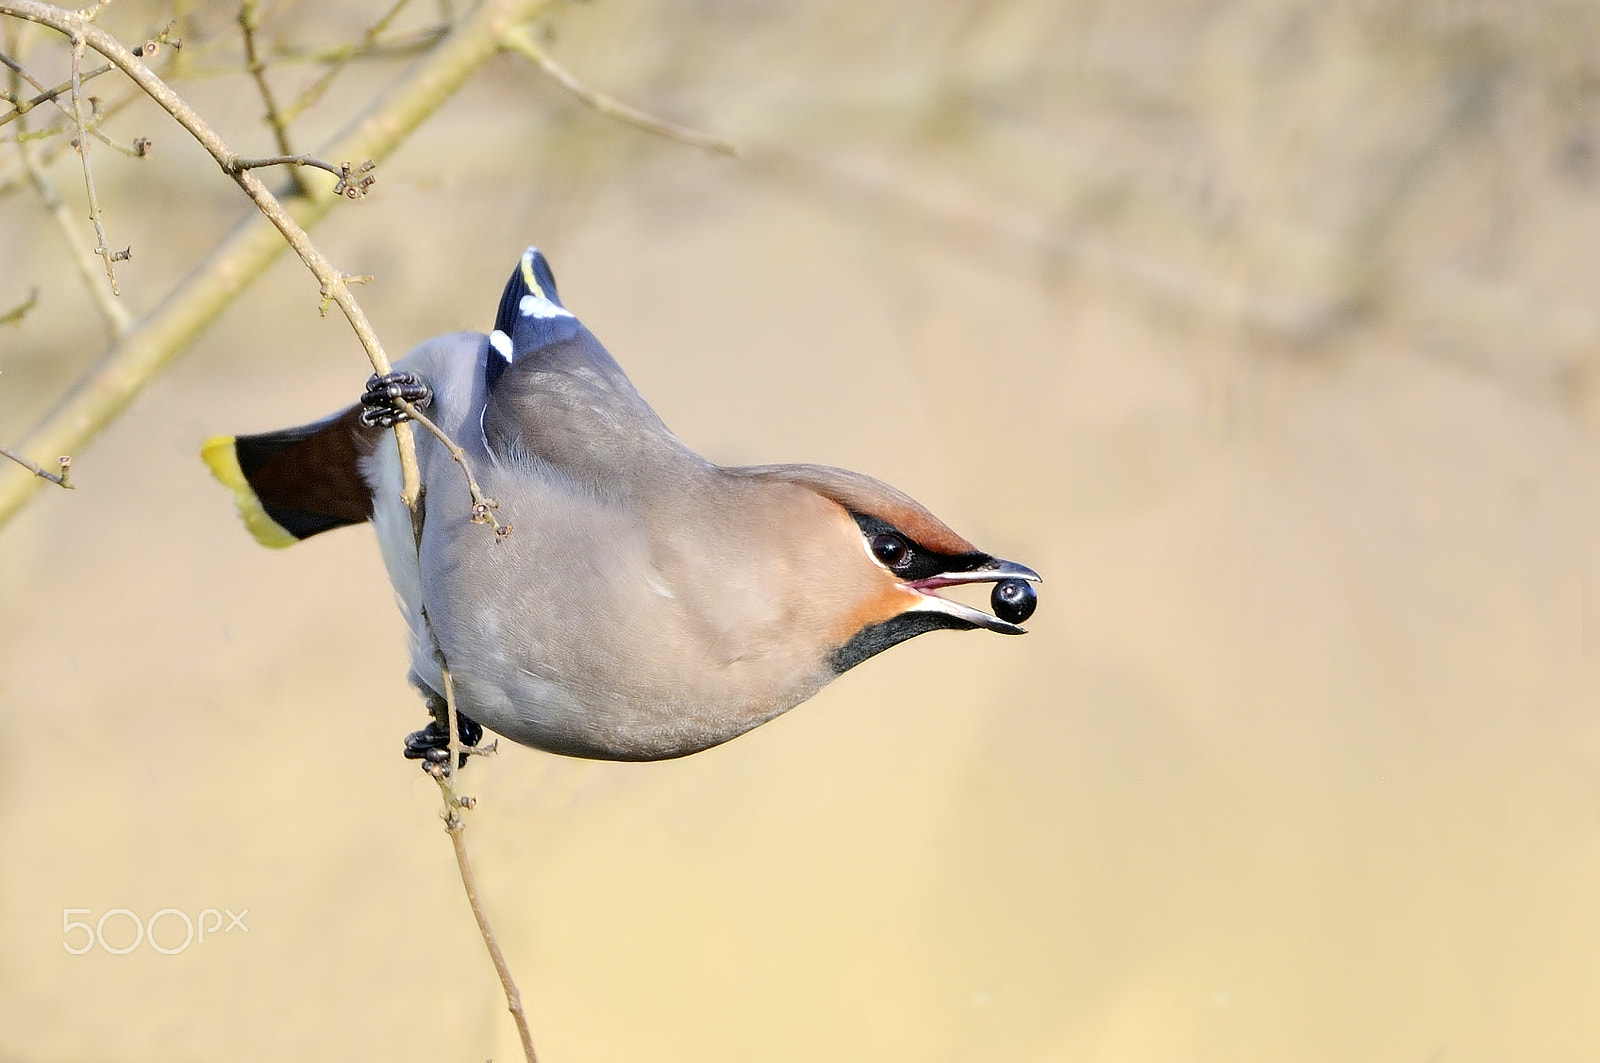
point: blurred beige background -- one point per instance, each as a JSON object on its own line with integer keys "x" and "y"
{"x": 1265, "y": 329}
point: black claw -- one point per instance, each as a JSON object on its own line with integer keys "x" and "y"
{"x": 418, "y": 743}
{"x": 432, "y": 746}
{"x": 378, "y": 402}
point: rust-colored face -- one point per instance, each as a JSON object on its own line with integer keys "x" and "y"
{"x": 893, "y": 555}
{"x": 886, "y": 599}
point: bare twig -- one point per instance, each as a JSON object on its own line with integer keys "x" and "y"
{"x": 74, "y": 114}
{"x": 10, "y": 182}
{"x": 137, "y": 150}
{"x": 112, "y": 309}
{"x": 99, "y": 112}
{"x": 118, "y": 319}
{"x": 314, "y": 92}
{"x": 249, "y": 19}
{"x": 53, "y": 96}
{"x": 82, "y": 146}
{"x": 60, "y": 479}
{"x": 520, "y": 39}
{"x": 22, "y": 107}
{"x": 444, "y": 775}
{"x": 353, "y": 180}
{"x": 15, "y": 315}
{"x": 483, "y": 506}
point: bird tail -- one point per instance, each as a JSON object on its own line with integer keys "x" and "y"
{"x": 291, "y": 484}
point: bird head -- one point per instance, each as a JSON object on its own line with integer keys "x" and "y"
{"x": 898, "y": 557}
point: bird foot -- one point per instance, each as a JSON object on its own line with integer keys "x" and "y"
{"x": 431, "y": 745}
{"x": 380, "y": 403}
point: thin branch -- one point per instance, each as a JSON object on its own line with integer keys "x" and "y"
{"x": 60, "y": 479}
{"x": 314, "y": 92}
{"x": 249, "y": 19}
{"x": 137, "y": 150}
{"x": 134, "y": 360}
{"x": 15, "y": 315}
{"x": 483, "y": 506}
{"x": 520, "y": 40}
{"x": 13, "y": 181}
{"x": 53, "y": 96}
{"x": 118, "y": 319}
{"x": 82, "y": 145}
{"x": 22, "y": 107}
{"x": 353, "y": 180}
{"x": 116, "y": 314}
{"x": 444, "y": 775}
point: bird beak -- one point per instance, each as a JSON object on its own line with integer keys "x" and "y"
{"x": 990, "y": 570}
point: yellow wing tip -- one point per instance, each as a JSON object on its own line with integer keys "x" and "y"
{"x": 222, "y": 458}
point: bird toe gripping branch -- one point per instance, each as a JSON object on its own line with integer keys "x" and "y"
{"x": 380, "y": 402}
{"x": 431, "y": 745}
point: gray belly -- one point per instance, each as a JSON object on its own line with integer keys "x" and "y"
{"x": 566, "y": 637}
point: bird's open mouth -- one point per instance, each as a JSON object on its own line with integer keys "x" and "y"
{"x": 1013, "y": 596}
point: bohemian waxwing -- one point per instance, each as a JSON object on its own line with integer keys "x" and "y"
{"x": 647, "y": 604}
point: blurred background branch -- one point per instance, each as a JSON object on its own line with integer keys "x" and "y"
{"x": 521, "y": 40}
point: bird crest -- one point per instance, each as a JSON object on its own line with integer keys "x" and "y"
{"x": 530, "y": 316}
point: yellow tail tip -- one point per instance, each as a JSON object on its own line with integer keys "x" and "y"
{"x": 222, "y": 458}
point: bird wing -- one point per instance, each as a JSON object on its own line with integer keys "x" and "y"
{"x": 554, "y": 394}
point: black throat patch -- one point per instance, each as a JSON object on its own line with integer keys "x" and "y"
{"x": 874, "y": 639}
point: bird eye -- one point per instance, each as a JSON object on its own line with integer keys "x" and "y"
{"x": 891, "y": 550}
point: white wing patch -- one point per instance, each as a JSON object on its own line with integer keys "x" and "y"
{"x": 539, "y": 306}
{"x": 501, "y": 344}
